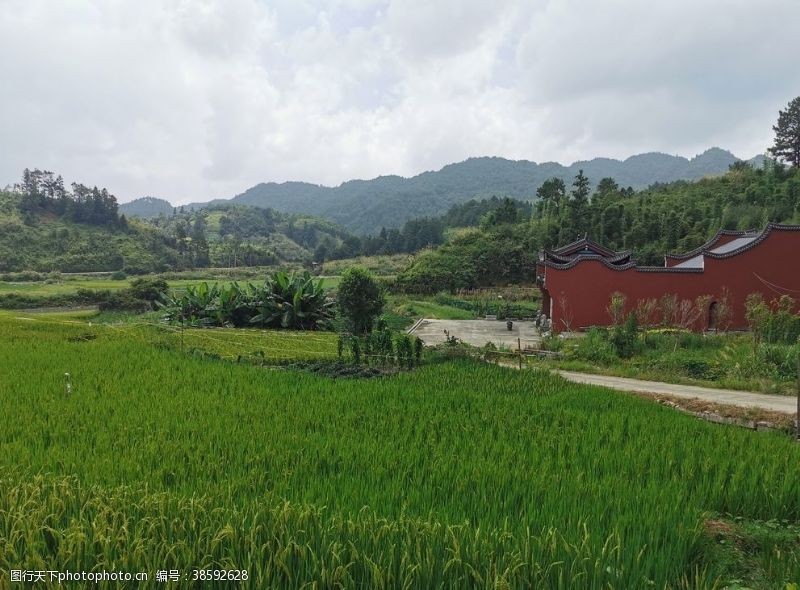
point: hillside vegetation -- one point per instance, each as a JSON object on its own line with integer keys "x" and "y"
{"x": 45, "y": 242}
{"x": 651, "y": 222}
{"x": 669, "y": 218}
{"x": 146, "y": 207}
{"x": 41, "y": 235}
{"x": 239, "y": 235}
{"x": 499, "y": 246}
{"x": 366, "y": 206}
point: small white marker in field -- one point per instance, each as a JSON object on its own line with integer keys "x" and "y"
{"x": 68, "y": 385}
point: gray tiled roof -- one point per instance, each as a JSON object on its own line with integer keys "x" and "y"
{"x": 734, "y": 244}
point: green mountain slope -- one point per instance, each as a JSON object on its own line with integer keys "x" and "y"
{"x": 219, "y": 236}
{"x": 364, "y": 206}
{"x": 240, "y": 235}
{"x": 49, "y": 242}
{"x": 147, "y": 207}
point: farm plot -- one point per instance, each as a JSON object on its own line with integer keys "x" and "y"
{"x": 267, "y": 345}
{"x": 454, "y": 475}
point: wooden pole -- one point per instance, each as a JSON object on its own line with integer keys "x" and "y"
{"x": 519, "y": 353}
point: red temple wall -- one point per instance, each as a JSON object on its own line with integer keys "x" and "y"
{"x": 588, "y": 285}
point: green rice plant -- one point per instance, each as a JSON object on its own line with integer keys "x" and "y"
{"x": 455, "y": 475}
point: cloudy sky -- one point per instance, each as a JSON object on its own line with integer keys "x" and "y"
{"x": 189, "y": 100}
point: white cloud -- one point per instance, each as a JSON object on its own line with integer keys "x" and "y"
{"x": 199, "y": 99}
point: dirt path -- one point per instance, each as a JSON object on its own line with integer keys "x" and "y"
{"x": 743, "y": 399}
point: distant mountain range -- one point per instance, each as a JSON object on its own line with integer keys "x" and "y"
{"x": 364, "y": 206}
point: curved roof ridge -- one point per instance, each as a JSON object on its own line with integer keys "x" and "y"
{"x": 621, "y": 267}
{"x": 577, "y": 242}
{"x": 553, "y": 254}
{"x": 709, "y": 244}
{"x": 585, "y": 241}
{"x": 609, "y": 262}
{"x": 753, "y": 243}
{"x": 556, "y": 254}
{"x": 587, "y": 257}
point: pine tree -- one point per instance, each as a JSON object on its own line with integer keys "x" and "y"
{"x": 550, "y": 193}
{"x": 578, "y": 203}
{"x": 787, "y": 134}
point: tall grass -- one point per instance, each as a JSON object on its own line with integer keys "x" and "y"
{"x": 454, "y": 475}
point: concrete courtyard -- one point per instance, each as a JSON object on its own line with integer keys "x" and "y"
{"x": 478, "y": 332}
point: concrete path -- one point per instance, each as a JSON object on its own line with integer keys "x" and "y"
{"x": 744, "y": 399}
{"x": 478, "y": 332}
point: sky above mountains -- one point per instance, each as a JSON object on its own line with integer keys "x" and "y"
{"x": 194, "y": 100}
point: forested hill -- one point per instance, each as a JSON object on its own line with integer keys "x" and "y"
{"x": 673, "y": 217}
{"x": 41, "y": 237}
{"x": 365, "y": 206}
{"x": 45, "y": 226}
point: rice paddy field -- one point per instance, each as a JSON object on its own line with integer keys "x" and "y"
{"x": 71, "y": 286}
{"x": 453, "y": 475}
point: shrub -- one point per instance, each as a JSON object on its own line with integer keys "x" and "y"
{"x": 625, "y": 337}
{"x": 701, "y": 369}
{"x": 781, "y": 359}
{"x": 616, "y": 309}
{"x": 595, "y": 347}
{"x": 774, "y": 323}
{"x": 124, "y": 301}
{"x": 22, "y": 276}
{"x": 137, "y": 269}
{"x": 691, "y": 340}
{"x": 690, "y": 365}
{"x": 355, "y": 350}
{"x": 80, "y": 297}
{"x": 359, "y": 299}
{"x": 552, "y": 343}
{"x": 405, "y": 351}
{"x": 148, "y": 289}
{"x": 434, "y": 271}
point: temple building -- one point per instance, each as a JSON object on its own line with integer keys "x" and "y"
{"x": 578, "y": 280}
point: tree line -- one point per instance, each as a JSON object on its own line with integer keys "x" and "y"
{"x": 666, "y": 218}
{"x": 43, "y": 191}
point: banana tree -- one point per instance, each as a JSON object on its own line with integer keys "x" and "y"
{"x": 293, "y": 301}
{"x": 189, "y": 307}
{"x": 283, "y": 301}
{"x": 231, "y": 307}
